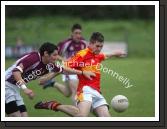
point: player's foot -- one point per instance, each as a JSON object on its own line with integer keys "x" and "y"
{"x": 52, "y": 105}
{"x": 48, "y": 84}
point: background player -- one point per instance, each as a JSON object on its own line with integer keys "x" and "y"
{"x": 68, "y": 48}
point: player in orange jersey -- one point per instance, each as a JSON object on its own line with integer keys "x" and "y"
{"x": 88, "y": 92}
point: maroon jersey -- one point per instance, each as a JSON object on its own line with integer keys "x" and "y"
{"x": 33, "y": 68}
{"x": 69, "y": 47}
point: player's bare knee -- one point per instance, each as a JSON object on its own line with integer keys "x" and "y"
{"x": 81, "y": 114}
{"x": 67, "y": 94}
{"x": 76, "y": 112}
{"x": 15, "y": 114}
{"x": 106, "y": 114}
{"x": 24, "y": 114}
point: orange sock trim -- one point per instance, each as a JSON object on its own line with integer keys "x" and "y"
{"x": 54, "y": 106}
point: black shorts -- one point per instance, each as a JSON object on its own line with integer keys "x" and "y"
{"x": 12, "y": 107}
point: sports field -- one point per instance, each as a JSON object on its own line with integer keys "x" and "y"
{"x": 138, "y": 67}
{"x": 139, "y": 71}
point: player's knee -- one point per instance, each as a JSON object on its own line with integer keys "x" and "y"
{"x": 15, "y": 114}
{"x": 23, "y": 110}
{"x": 24, "y": 114}
{"x": 67, "y": 94}
{"x": 76, "y": 112}
{"x": 81, "y": 114}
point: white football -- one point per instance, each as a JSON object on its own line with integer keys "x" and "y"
{"x": 119, "y": 103}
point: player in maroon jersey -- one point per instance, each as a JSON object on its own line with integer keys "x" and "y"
{"x": 30, "y": 67}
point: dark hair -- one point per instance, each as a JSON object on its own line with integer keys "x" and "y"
{"x": 76, "y": 26}
{"x": 49, "y": 47}
{"x": 96, "y": 36}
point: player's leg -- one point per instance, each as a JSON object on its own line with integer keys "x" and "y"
{"x": 70, "y": 87}
{"x": 21, "y": 106}
{"x": 84, "y": 108}
{"x": 84, "y": 102}
{"x": 23, "y": 110}
{"x": 56, "y": 106}
{"x": 99, "y": 104}
{"x": 64, "y": 89}
{"x": 73, "y": 84}
{"x": 69, "y": 110}
{"x": 12, "y": 95}
{"x": 49, "y": 83}
{"x": 12, "y": 109}
{"x": 24, "y": 114}
{"x": 102, "y": 111}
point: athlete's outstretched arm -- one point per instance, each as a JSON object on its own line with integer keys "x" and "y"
{"x": 42, "y": 80}
{"x": 87, "y": 74}
{"x": 116, "y": 54}
{"x": 17, "y": 74}
{"x": 49, "y": 76}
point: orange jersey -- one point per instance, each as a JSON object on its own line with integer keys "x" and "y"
{"x": 86, "y": 60}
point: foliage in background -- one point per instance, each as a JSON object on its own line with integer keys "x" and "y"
{"x": 139, "y": 34}
{"x": 95, "y": 11}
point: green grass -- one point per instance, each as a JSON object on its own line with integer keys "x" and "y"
{"x": 139, "y": 71}
{"x": 36, "y": 30}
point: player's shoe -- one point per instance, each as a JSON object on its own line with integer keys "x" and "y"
{"x": 52, "y": 105}
{"x": 48, "y": 84}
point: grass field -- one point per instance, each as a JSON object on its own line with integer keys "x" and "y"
{"x": 140, "y": 72}
{"x": 138, "y": 67}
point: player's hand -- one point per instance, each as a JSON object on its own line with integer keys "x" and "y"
{"x": 29, "y": 92}
{"x": 120, "y": 53}
{"x": 89, "y": 74}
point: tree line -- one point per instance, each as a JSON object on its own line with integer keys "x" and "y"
{"x": 84, "y": 12}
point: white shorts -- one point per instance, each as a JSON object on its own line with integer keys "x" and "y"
{"x": 12, "y": 93}
{"x": 69, "y": 77}
{"x": 93, "y": 96}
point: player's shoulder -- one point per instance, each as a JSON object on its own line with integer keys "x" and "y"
{"x": 34, "y": 55}
{"x": 64, "y": 42}
{"x": 29, "y": 57}
{"x": 83, "y": 52}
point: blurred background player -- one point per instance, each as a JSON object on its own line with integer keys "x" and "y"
{"x": 18, "y": 47}
{"x": 66, "y": 49}
{"x": 30, "y": 67}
